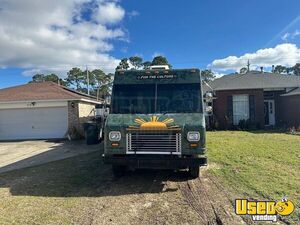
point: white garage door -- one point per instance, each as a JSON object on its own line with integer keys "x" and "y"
{"x": 37, "y": 123}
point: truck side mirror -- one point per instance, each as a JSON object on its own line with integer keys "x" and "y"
{"x": 208, "y": 110}
{"x": 100, "y": 110}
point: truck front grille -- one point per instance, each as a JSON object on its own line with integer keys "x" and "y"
{"x": 153, "y": 143}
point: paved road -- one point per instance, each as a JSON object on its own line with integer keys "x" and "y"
{"x": 21, "y": 154}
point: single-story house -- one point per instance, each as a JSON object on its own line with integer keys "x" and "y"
{"x": 263, "y": 99}
{"x": 43, "y": 110}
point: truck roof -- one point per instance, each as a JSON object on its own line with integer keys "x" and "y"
{"x": 137, "y": 71}
{"x": 157, "y": 76}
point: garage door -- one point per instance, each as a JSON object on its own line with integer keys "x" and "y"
{"x": 37, "y": 123}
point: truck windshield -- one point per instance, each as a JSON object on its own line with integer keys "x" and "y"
{"x": 156, "y": 98}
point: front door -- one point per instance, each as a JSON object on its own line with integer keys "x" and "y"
{"x": 269, "y": 110}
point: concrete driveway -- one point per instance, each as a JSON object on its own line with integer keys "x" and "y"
{"x": 21, "y": 154}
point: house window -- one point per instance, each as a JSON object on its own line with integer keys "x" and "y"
{"x": 240, "y": 108}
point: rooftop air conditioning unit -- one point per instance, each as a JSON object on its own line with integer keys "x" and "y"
{"x": 159, "y": 67}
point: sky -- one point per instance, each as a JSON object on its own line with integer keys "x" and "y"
{"x": 52, "y": 36}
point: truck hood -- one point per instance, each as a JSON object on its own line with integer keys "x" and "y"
{"x": 137, "y": 121}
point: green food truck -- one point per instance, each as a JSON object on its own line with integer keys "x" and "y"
{"x": 156, "y": 121}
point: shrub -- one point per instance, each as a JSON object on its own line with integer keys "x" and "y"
{"x": 242, "y": 124}
{"x": 246, "y": 125}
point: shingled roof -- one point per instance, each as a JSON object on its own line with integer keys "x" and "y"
{"x": 42, "y": 91}
{"x": 295, "y": 91}
{"x": 255, "y": 80}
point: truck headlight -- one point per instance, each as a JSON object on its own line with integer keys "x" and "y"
{"x": 114, "y": 136}
{"x": 193, "y": 136}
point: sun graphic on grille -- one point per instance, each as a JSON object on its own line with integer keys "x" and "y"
{"x": 154, "y": 124}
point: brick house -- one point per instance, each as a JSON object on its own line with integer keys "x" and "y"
{"x": 260, "y": 98}
{"x": 42, "y": 111}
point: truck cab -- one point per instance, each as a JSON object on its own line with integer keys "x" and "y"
{"x": 156, "y": 121}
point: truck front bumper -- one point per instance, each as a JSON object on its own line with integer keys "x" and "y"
{"x": 149, "y": 161}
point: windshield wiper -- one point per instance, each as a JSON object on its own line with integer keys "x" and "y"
{"x": 166, "y": 112}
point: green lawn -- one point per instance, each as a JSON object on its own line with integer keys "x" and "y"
{"x": 262, "y": 165}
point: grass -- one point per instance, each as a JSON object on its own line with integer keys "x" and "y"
{"x": 262, "y": 165}
{"x": 48, "y": 194}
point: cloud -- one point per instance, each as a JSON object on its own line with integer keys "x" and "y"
{"x": 157, "y": 54}
{"x": 286, "y": 36}
{"x": 54, "y": 35}
{"x": 283, "y": 54}
{"x": 290, "y": 36}
{"x": 109, "y": 13}
{"x": 124, "y": 49}
{"x": 218, "y": 74}
{"x": 290, "y": 26}
{"x": 133, "y": 13}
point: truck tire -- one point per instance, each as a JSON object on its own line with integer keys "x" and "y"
{"x": 194, "y": 171}
{"x": 118, "y": 171}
